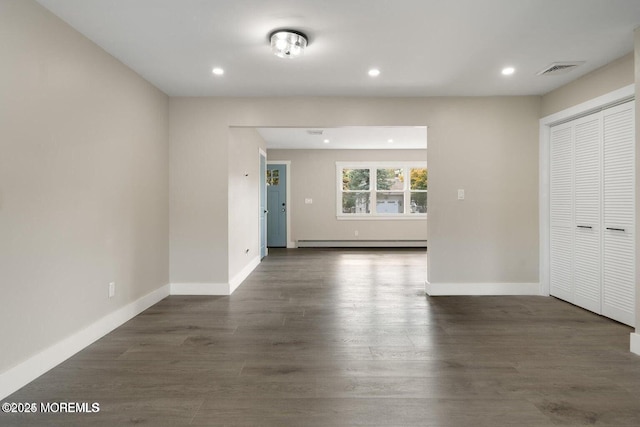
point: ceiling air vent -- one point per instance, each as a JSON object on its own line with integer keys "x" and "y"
{"x": 315, "y": 131}
{"x": 559, "y": 68}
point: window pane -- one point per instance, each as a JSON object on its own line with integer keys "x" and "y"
{"x": 355, "y": 179}
{"x": 355, "y": 203}
{"x": 273, "y": 177}
{"x": 390, "y": 179}
{"x": 419, "y": 179}
{"x": 390, "y": 203}
{"x": 418, "y": 202}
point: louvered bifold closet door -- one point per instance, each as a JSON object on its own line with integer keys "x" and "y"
{"x": 619, "y": 214}
{"x": 561, "y": 213}
{"x": 587, "y": 211}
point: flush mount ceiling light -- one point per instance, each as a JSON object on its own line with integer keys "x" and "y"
{"x": 288, "y": 43}
{"x": 374, "y": 72}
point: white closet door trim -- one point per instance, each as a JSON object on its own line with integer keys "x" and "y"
{"x": 595, "y": 104}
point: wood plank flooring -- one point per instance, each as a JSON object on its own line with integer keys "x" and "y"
{"x": 347, "y": 337}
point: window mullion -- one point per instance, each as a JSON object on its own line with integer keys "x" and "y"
{"x": 407, "y": 189}
{"x": 340, "y": 193}
{"x": 373, "y": 188}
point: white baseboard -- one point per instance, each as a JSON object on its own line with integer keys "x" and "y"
{"x": 459, "y": 289}
{"x": 291, "y": 245}
{"x": 362, "y": 243}
{"x": 635, "y": 343}
{"x": 243, "y": 274}
{"x": 200, "y": 289}
{"x": 27, "y": 371}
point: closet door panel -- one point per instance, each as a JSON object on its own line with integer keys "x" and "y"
{"x": 619, "y": 214}
{"x": 588, "y": 276}
{"x": 561, "y": 276}
{"x": 587, "y": 211}
{"x": 561, "y": 192}
{"x": 619, "y": 276}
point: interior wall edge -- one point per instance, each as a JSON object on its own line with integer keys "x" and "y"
{"x": 199, "y": 288}
{"x": 237, "y": 280}
{"x": 635, "y": 343}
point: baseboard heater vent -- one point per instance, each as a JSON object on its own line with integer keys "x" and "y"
{"x": 362, "y": 243}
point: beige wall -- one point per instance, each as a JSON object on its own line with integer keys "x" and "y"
{"x": 612, "y": 76}
{"x": 198, "y": 192}
{"x": 313, "y": 175}
{"x": 83, "y": 182}
{"x": 487, "y": 146}
{"x": 244, "y": 197}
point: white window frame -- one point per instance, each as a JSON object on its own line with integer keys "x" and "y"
{"x": 373, "y": 167}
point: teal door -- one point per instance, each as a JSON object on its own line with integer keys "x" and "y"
{"x": 263, "y": 206}
{"x": 276, "y": 206}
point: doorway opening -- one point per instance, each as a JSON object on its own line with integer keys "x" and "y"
{"x": 312, "y": 205}
{"x": 277, "y": 204}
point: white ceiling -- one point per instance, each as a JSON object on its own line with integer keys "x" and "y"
{"x": 353, "y": 137}
{"x": 422, "y": 47}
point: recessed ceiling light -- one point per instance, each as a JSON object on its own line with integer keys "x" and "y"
{"x": 374, "y": 72}
{"x": 507, "y": 71}
{"x": 326, "y": 141}
{"x": 390, "y": 141}
{"x": 218, "y": 71}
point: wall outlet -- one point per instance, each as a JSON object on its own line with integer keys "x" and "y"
{"x": 308, "y": 201}
{"x": 112, "y": 289}
{"x": 460, "y": 194}
{"x": 355, "y": 233}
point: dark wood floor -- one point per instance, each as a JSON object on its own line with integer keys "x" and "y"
{"x": 347, "y": 337}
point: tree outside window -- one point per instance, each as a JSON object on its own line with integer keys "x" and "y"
{"x": 418, "y": 184}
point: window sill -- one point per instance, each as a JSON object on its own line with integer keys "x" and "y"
{"x": 356, "y": 217}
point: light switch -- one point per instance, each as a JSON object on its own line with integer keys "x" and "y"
{"x": 460, "y": 194}
{"x": 308, "y": 201}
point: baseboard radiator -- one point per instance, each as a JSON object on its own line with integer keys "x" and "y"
{"x": 362, "y": 243}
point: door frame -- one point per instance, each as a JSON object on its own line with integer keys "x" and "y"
{"x": 610, "y": 99}
{"x": 287, "y": 165}
{"x": 262, "y": 227}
